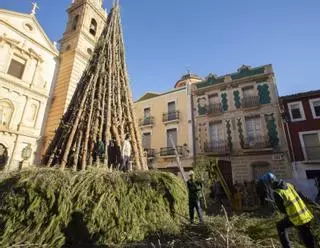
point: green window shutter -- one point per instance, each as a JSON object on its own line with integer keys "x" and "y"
{"x": 236, "y": 98}
{"x": 272, "y": 130}
{"x": 264, "y": 94}
{"x": 224, "y": 102}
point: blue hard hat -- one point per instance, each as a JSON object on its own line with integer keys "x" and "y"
{"x": 269, "y": 177}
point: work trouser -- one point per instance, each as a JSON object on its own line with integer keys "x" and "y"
{"x": 304, "y": 231}
{"x": 195, "y": 204}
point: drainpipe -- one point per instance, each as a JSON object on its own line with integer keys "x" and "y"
{"x": 192, "y": 120}
{"x": 287, "y": 135}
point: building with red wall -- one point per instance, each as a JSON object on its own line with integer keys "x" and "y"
{"x": 301, "y": 114}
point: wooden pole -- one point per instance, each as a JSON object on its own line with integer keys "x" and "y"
{"x": 178, "y": 159}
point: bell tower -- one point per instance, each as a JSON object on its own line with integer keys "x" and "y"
{"x": 86, "y": 20}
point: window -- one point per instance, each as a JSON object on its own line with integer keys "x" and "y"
{"x": 17, "y": 66}
{"x": 6, "y": 111}
{"x": 247, "y": 92}
{"x": 253, "y": 126}
{"x": 296, "y": 111}
{"x": 171, "y": 107}
{"x": 215, "y": 134}
{"x": 75, "y": 22}
{"x": 310, "y": 142}
{"x": 147, "y": 113}
{"x": 3, "y": 156}
{"x": 312, "y": 174}
{"x": 93, "y": 27}
{"x": 28, "y": 27}
{"x": 172, "y": 111}
{"x": 213, "y": 99}
{"x": 89, "y": 51}
{"x": 146, "y": 140}
{"x": 315, "y": 108}
{"x": 173, "y": 134}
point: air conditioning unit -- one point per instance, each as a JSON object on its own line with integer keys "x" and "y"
{"x": 277, "y": 157}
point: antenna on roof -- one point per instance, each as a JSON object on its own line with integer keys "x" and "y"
{"x": 188, "y": 69}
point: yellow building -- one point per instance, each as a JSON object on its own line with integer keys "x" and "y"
{"x": 86, "y": 20}
{"x": 27, "y": 67}
{"x": 237, "y": 119}
{"x": 166, "y": 115}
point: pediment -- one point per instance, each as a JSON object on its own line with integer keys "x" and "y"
{"x": 28, "y": 25}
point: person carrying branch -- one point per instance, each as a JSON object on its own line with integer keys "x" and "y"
{"x": 296, "y": 212}
{"x": 194, "y": 189}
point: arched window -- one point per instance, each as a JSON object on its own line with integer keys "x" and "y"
{"x": 6, "y": 111}
{"x": 93, "y": 27}
{"x": 75, "y": 22}
{"x": 3, "y": 156}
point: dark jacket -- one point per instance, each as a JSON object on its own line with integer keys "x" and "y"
{"x": 277, "y": 198}
{"x": 194, "y": 188}
{"x": 114, "y": 154}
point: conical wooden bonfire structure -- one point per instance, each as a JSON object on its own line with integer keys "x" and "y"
{"x": 101, "y": 107}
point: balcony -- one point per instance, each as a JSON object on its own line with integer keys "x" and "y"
{"x": 216, "y": 148}
{"x": 214, "y": 109}
{"x": 171, "y": 116}
{"x": 150, "y": 153}
{"x": 257, "y": 142}
{"x": 146, "y": 121}
{"x": 169, "y": 151}
{"x": 250, "y": 102}
{"x": 312, "y": 153}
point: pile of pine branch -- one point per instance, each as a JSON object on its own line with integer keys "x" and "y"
{"x": 58, "y": 208}
{"x": 101, "y": 108}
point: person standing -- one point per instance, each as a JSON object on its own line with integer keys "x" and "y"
{"x": 114, "y": 154}
{"x": 126, "y": 153}
{"x": 194, "y": 190}
{"x": 296, "y": 212}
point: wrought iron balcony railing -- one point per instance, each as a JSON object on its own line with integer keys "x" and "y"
{"x": 216, "y": 147}
{"x": 250, "y": 101}
{"x": 256, "y": 142}
{"x": 312, "y": 152}
{"x": 171, "y": 116}
{"x": 214, "y": 108}
{"x": 146, "y": 121}
{"x": 150, "y": 152}
{"x": 169, "y": 151}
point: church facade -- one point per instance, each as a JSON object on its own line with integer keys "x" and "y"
{"x": 37, "y": 80}
{"x": 28, "y": 61}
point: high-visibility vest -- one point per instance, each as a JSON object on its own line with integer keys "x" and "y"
{"x": 296, "y": 209}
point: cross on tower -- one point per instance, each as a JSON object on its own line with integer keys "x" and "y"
{"x": 34, "y": 8}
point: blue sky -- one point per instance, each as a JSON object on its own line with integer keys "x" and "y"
{"x": 164, "y": 37}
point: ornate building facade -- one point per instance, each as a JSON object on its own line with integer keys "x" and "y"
{"x": 237, "y": 120}
{"x": 27, "y": 67}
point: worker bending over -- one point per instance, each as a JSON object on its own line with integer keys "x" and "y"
{"x": 297, "y": 214}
